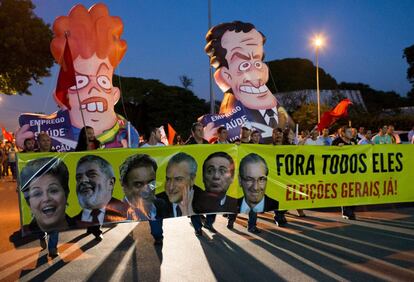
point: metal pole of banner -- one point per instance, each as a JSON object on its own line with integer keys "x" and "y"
{"x": 129, "y": 133}
{"x": 212, "y": 98}
{"x": 77, "y": 91}
{"x": 19, "y": 196}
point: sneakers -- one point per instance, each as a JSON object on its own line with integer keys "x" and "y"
{"x": 349, "y": 216}
{"x": 98, "y": 237}
{"x": 254, "y": 230}
{"x": 280, "y": 219}
{"x": 199, "y": 233}
{"x": 53, "y": 253}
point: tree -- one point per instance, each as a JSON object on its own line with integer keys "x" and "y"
{"x": 307, "y": 115}
{"x": 150, "y": 103}
{"x": 409, "y": 56}
{"x": 24, "y": 47}
{"x": 297, "y": 74}
{"x": 186, "y": 82}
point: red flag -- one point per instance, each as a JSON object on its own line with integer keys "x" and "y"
{"x": 67, "y": 77}
{"x": 329, "y": 118}
{"x": 171, "y": 134}
{"x": 7, "y": 135}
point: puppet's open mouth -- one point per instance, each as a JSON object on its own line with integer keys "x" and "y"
{"x": 95, "y": 104}
{"x": 254, "y": 90}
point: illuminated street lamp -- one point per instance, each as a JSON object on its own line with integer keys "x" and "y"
{"x": 318, "y": 42}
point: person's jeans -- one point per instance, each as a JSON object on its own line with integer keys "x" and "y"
{"x": 251, "y": 223}
{"x": 196, "y": 220}
{"x": 156, "y": 228}
{"x": 53, "y": 240}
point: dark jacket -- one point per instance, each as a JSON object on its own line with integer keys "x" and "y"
{"x": 115, "y": 211}
{"x": 269, "y": 204}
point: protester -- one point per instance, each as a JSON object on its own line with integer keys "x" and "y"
{"x": 395, "y": 138}
{"x": 153, "y": 138}
{"x": 222, "y": 135}
{"x": 87, "y": 140}
{"x": 255, "y": 136}
{"x": 312, "y": 139}
{"x": 12, "y": 159}
{"x": 95, "y": 182}
{"x": 197, "y": 135}
{"x": 28, "y": 145}
{"x": 45, "y": 185}
{"x": 44, "y": 144}
{"x": 366, "y": 138}
{"x": 410, "y": 134}
{"x": 179, "y": 185}
{"x": 382, "y": 137}
{"x": 138, "y": 180}
{"x": 325, "y": 139}
{"x": 344, "y": 139}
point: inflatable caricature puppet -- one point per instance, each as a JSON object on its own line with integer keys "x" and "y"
{"x": 236, "y": 52}
{"x": 94, "y": 40}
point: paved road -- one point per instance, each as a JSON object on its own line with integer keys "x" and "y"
{"x": 379, "y": 246}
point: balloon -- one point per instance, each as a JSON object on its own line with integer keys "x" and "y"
{"x": 93, "y": 39}
{"x": 236, "y": 51}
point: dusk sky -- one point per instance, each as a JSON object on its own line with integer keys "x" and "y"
{"x": 365, "y": 41}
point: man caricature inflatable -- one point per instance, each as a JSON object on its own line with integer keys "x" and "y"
{"x": 96, "y": 49}
{"x": 236, "y": 51}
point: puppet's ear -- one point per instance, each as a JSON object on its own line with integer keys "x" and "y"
{"x": 223, "y": 79}
{"x": 117, "y": 94}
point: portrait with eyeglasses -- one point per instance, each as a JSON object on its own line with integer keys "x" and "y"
{"x": 253, "y": 172}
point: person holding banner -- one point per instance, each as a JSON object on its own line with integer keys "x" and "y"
{"x": 95, "y": 181}
{"x": 44, "y": 144}
{"x": 153, "y": 138}
{"x": 197, "y": 135}
{"x": 218, "y": 174}
{"x": 253, "y": 172}
{"x": 138, "y": 182}
{"x": 179, "y": 185}
{"x": 222, "y": 135}
{"x": 345, "y": 138}
{"x": 45, "y": 186}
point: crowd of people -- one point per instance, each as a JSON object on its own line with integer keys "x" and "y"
{"x": 181, "y": 196}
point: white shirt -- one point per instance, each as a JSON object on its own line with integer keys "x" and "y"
{"x": 87, "y": 217}
{"x": 190, "y": 208}
{"x": 257, "y": 208}
{"x": 148, "y": 145}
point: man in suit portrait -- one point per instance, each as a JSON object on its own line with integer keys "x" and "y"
{"x": 138, "y": 174}
{"x": 95, "y": 180}
{"x": 236, "y": 52}
{"x": 218, "y": 174}
{"x": 253, "y": 173}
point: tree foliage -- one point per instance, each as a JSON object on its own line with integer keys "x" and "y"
{"x": 24, "y": 47}
{"x": 409, "y": 56}
{"x": 376, "y": 100}
{"x": 186, "y": 81}
{"x": 150, "y": 103}
{"x": 307, "y": 115}
{"x": 297, "y": 74}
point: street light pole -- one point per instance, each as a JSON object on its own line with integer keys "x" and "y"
{"x": 318, "y": 42}
{"x": 317, "y": 85}
{"x": 212, "y": 98}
